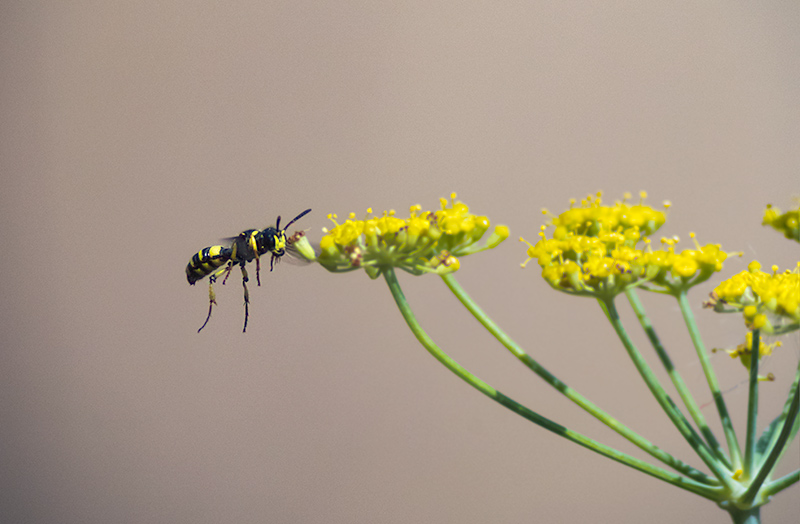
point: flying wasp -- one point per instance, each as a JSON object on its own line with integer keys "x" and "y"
{"x": 249, "y": 245}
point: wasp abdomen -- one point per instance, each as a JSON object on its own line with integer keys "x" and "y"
{"x": 205, "y": 261}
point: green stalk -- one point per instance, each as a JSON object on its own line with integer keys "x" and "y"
{"x": 717, "y": 468}
{"x": 782, "y": 483}
{"x": 752, "y": 407}
{"x": 786, "y": 412}
{"x": 785, "y": 437}
{"x": 568, "y": 392}
{"x": 711, "y": 378}
{"x": 674, "y": 375}
{"x": 472, "y": 380}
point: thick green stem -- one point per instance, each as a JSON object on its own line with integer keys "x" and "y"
{"x": 472, "y": 380}
{"x": 674, "y": 375}
{"x": 727, "y": 426}
{"x": 568, "y": 392}
{"x": 746, "y": 516}
{"x": 717, "y": 468}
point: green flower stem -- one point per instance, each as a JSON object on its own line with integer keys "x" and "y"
{"x": 568, "y": 392}
{"x": 784, "y": 439}
{"x": 674, "y": 375}
{"x": 717, "y": 468}
{"x": 710, "y": 493}
{"x": 711, "y": 378}
{"x": 752, "y": 408}
{"x": 782, "y": 483}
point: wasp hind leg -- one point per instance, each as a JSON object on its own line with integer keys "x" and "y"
{"x": 245, "y": 279}
{"x": 212, "y": 297}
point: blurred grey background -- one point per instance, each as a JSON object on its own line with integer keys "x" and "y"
{"x": 136, "y": 133}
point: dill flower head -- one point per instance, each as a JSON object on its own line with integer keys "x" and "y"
{"x": 769, "y": 302}
{"x": 787, "y": 223}
{"x": 425, "y": 242}
{"x": 601, "y": 251}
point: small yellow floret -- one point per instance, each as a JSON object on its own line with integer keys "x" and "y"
{"x": 744, "y": 352}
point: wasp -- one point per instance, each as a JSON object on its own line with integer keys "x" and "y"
{"x": 247, "y": 246}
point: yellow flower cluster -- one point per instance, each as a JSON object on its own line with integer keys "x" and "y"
{"x": 425, "y": 242}
{"x": 592, "y": 218}
{"x": 594, "y": 251}
{"x": 744, "y": 352}
{"x": 671, "y": 272}
{"x": 787, "y": 223}
{"x": 769, "y": 302}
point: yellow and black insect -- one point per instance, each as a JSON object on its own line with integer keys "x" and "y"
{"x": 247, "y": 246}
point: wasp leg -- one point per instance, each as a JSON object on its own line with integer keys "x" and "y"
{"x": 212, "y": 299}
{"x": 245, "y": 278}
{"x": 227, "y": 272}
{"x": 254, "y": 247}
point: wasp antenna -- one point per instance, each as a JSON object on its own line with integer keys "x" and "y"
{"x": 295, "y": 219}
{"x": 278, "y": 223}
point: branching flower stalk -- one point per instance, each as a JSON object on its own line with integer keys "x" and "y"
{"x": 601, "y": 251}
{"x": 680, "y": 386}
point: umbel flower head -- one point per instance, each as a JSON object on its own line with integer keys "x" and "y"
{"x": 769, "y": 302}
{"x": 595, "y": 251}
{"x": 787, "y": 223}
{"x": 425, "y": 242}
{"x": 744, "y": 352}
